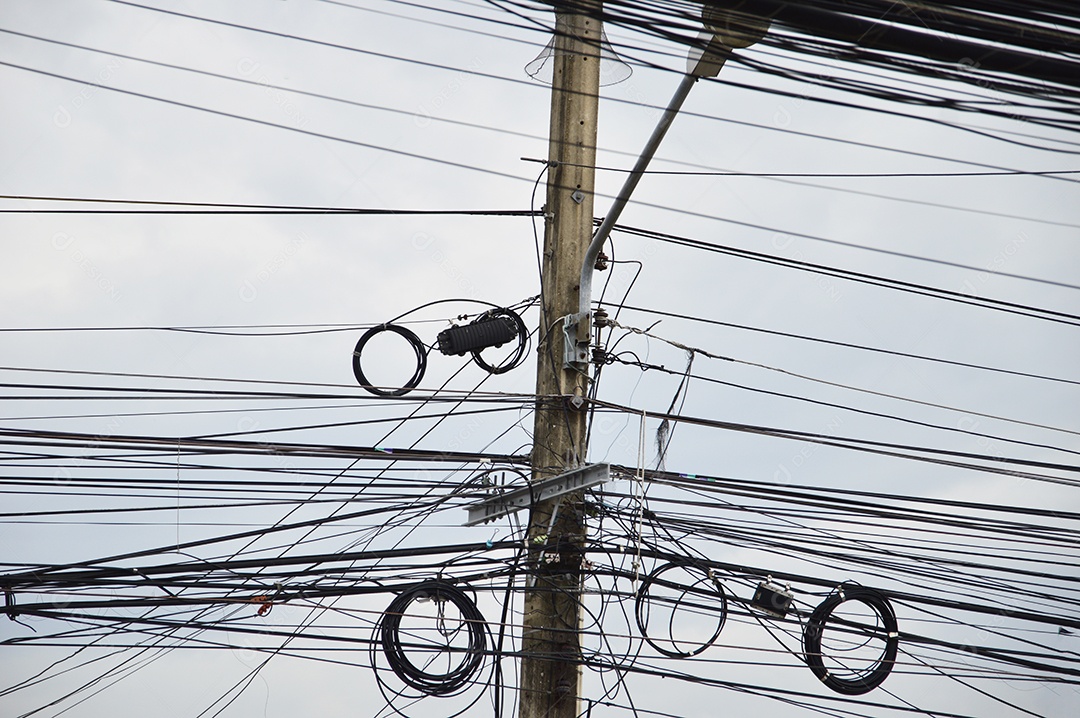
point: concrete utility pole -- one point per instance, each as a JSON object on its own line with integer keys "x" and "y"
{"x": 551, "y": 630}
{"x": 550, "y": 672}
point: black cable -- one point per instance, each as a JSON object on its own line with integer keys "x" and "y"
{"x": 313, "y": 614}
{"x": 875, "y": 280}
{"x": 537, "y": 243}
{"x": 860, "y": 681}
{"x": 261, "y": 83}
{"x": 267, "y": 123}
{"x": 878, "y": 39}
{"x": 169, "y": 444}
{"x": 394, "y": 648}
{"x": 414, "y": 342}
{"x": 670, "y": 646}
{"x": 454, "y": 163}
{"x": 294, "y": 128}
{"x": 358, "y": 422}
{"x": 644, "y": 366}
{"x": 838, "y": 175}
{"x": 206, "y": 379}
{"x": 520, "y": 330}
{"x": 231, "y": 208}
{"x": 848, "y": 345}
{"x": 876, "y": 447}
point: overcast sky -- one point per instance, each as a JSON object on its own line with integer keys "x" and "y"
{"x": 411, "y": 135}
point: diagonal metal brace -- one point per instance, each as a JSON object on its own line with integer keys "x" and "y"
{"x": 504, "y": 504}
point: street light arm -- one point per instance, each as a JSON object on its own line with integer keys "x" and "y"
{"x": 725, "y": 30}
{"x": 601, "y": 235}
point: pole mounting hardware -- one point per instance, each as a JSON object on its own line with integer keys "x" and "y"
{"x": 575, "y": 349}
{"x": 574, "y": 480}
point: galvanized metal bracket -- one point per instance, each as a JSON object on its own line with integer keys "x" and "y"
{"x": 505, "y": 504}
{"x": 575, "y": 351}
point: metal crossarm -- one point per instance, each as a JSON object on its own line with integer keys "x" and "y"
{"x": 504, "y": 504}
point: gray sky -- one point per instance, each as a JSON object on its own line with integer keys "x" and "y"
{"x": 79, "y": 139}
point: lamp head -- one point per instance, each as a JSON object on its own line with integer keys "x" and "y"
{"x": 736, "y": 24}
{"x": 728, "y": 26}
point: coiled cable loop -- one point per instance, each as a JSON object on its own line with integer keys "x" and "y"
{"x": 417, "y": 346}
{"x": 694, "y": 598}
{"x": 515, "y": 359}
{"x": 856, "y": 681}
{"x": 463, "y": 660}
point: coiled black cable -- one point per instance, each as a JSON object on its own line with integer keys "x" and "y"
{"x": 515, "y": 359}
{"x": 421, "y": 678}
{"x": 417, "y": 346}
{"x": 861, "y": 681}
{"x": 641, "y": 605}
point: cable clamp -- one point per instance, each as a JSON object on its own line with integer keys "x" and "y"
{"x": 575, "y": 351}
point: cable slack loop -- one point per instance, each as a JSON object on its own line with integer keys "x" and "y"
{"x": 847, "y": 675}
{"x": 677, "y": 606}
{"x": 417, "y": 346}
{"x": 513, "y": 321}
{"x": 413, "y": 652}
